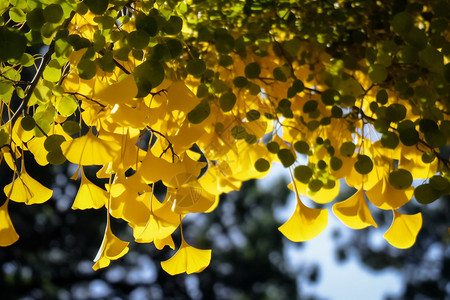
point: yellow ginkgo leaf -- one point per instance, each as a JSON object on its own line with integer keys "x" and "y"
{"x": 155, "y": 168}
{"x": 411, "y": 160}
{"x": 180, "y": 97}
{"x": 188, "y": 196}
{"x": 154, "y": 228}
{"x": 8, "y": 234}
{"x": 354, "y": 211}
{"x": 161, "y": 243}
{"x": 89, "y": 195}
{"x": 305, "y": 223}
{"x": 322, "y": 196}
{"x": 119, "y": 92}
{"x": 89, "y": 150}
{"x": 404, "y": 229}
{"x": 384, "y": 196}
{"x": 27, "y": 190}
{"x": 187, "y": 260}
{"x": 35, "y": 146}
{"x": 112, "y": 248}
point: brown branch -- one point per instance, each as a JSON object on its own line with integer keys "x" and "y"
{"x": 170, "y": 146}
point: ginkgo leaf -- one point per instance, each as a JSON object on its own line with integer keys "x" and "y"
{"x": 89, "y": 195}
{"x": 187, "y": 260}
{"x": 20, "y": 135}
{"x": 404, "y": 229}
{"x": 411, "y": 160}
{"x": 161, "y": 243}
{"x": 180, "y": 97}
{"x": 8, "y": 234}
{"x": 154, "y": 228}
{"x": 89, "y": 150}
{"x": 118, "y": 92}
{"x": 112, "y": 248}
{"x": 305, "y": 223}
{"x": 27, "y": 190}
{"x": 322, "y": 196}
{"x": 154, "y": 168}
{"x": 384, "y": 196}
{"x": 354, "y": 211}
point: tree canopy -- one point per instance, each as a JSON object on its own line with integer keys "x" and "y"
{"x": 181, "y": 101}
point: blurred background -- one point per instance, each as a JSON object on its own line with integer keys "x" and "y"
{"x": 250, "y": 260}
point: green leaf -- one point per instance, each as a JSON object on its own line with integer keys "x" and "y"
{"x": 56, "y": 157}
{"x": 301, "y": 147}
{"x": 252, "y": 70}
{"x": 67, "y": 105}
{"x": 303, "y": 173}
{"x": 71, "y": 127}
{"x": 347, "y": 149}
{"x": 395, "y": 112}
{"x": 5, "y": 86}
{"x": 426, "y": 194}
{"x": 377, "y": 73}
{"x": 15, "y": 46}
{"x": 227, "y": 101}
{"x": 390, "y": 140}
{"x": 4, "y": 138}
{"x": 173, "y": 25}
{"x": 262, "y": 165}
{"x": 330, "y": 97}
{"x": 148, "y": 75}
{"x": 382, "y": 97}
{"x": 53, "y": 13}
{"x": 52, "y": 72}
{"x": 279, "y": 74}
{"x": 87, "y": 69}
{"x": 35, "y": 18}
{"x": 402, "y": 22}
{"x": 78, "y": 42}
{"x": 400, "y": 179}
{"x": 27, "y": 60}
{"x": 253, "y": 115}
{"x": 315, "y": 185}
{"x": 196, "y": 67}
{"x": 223, "y": 41}
{"x": 417, "y": 38}
{"x": 335, "y": 163}
{"x": 310, "y": 106}
{"x": 175, "y": 47}
{"x": 147, "y": 24}
{"x": 240, "y": 82}
{"x": 17, "y": 15}
{"x": 239, "y": 132}
{"x": 435, "y": 138}
{"x": 53, "y": 142}
{"x": 439, "y": 183}
{"x": 273, "y": 147}
{"x": 199, "y": 113}
{"x": 225, "y": 60}
{"x": 409, "y": 136}
{"x": 364, "y": 164}
{"x": 28, "y": 123}
{"x": 286, "y": 157}
{"x": 138, "y": 39}
{"x": 97, "y": 7}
